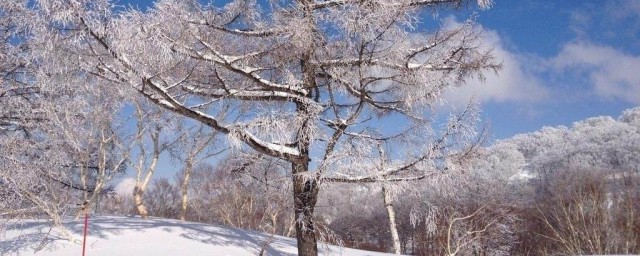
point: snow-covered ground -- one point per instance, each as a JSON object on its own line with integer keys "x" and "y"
{"x": 110, "y": 235}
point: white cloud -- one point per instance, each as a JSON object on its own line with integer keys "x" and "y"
{"x": 515, "y": 82}
{"x": 124, "y": 189}
{"x": 613, "y": 73}
{"x": 583, "y": 66}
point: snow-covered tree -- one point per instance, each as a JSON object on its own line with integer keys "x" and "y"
{"x": 597, "y": 142}
{"x": 313, "y": 82}
{"x": 59, "y": 141}
{"x": 452, "y": 151}
{"x": 584, "y": 180}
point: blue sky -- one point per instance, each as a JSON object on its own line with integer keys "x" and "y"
{"x": 564, "y": 61}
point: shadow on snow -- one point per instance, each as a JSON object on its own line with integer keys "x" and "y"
{"x": 37, "y": 234}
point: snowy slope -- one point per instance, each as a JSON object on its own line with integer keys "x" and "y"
{"x": 109, "y": 235}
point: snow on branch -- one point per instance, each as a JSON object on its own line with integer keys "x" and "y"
{"x": 239, "y": 32}
{"x": 163, "y": 98}
{"x": 231, "y": 63}
{"x": 249, "y": 95}
{"x": 337, "y": 3}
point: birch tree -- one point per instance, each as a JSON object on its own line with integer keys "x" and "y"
{"x": 191, "y": 150}
{"x": 314, "y": 81}
{"x": 151, "y": 139}
{"x": 455, "y": 148}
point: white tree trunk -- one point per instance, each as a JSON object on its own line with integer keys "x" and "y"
{"x": 144, "y": 173}
{"x": 391, "y": 213}
{"x": 138, "y": 201}
{"x": 185, "y": 189}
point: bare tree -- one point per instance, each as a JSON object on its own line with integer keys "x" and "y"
{"x": 151, "y": 131}
{"x": 244, "y": 191}
{"x": 192, "y": 149}
{"x": 590, "y": 212}
{"x": 319, "y": 78}
{"x": 163, "y": 199}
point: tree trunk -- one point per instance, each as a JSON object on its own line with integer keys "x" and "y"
{"x": 305, "y": 196}
{"x": 142, "y": 183}
{"x": 138, "y": 193}
{"x": 391, "y": 213}
{"x": 185, "y": 189}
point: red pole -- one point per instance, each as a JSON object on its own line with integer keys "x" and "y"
{"x": 84, "y": 239}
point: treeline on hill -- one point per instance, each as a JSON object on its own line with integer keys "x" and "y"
{"x": 557, "y": 191}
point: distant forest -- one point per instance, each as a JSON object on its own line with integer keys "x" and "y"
{"x": 557, "y": 191}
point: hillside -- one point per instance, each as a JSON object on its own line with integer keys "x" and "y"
{"x": 110, "y": 235}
